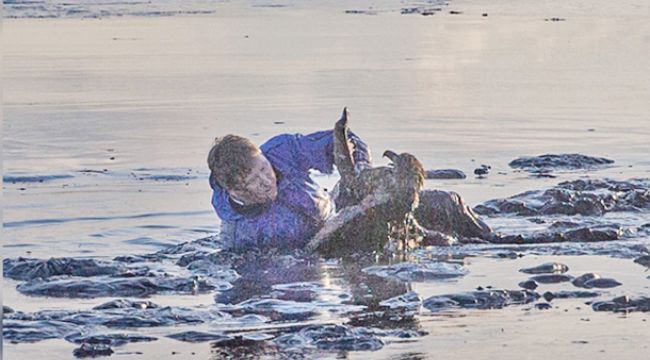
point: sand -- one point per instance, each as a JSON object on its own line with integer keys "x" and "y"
{"x": 143, "y": 97}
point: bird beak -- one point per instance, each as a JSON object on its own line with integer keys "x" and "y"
{"x": 391, "y": 155}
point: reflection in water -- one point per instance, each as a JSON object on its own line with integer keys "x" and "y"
{"x": 315, "y": 306}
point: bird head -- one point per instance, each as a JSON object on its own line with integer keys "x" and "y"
{"x": 409, "y": 176}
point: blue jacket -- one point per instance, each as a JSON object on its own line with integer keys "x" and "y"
{"x": 301, "y": 206}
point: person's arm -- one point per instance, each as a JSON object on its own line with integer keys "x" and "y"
{"x": 314, "y": 151}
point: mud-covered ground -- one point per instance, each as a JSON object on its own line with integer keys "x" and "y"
{"x": 292, "y": 304}
{"x": 110, "y": 245}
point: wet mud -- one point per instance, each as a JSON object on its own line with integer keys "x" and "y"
{"x": 584, "y": 210}
{"x": 552, "y": 162}
{"x": 623, "y": 304}
{"x": 444, "y": 174}
{"x": 92, "y": 350}
{"x": 490, "y": 299}
{"x": 270, "y": 301}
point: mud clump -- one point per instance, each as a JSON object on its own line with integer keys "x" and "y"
{"x": 623, "y": 304}
{"x": 551, "y": 278}
{"x": 492, "y": 299}
{"x": 602, "y": 283}
{"x": 581, "y": 280}
{"x": 110, "y": 339}
{"x": 444, "y": 174}
{"x": 546, "y": 268}
{"x": 528, "y": 284}
{"x": 275, "y": 309}
{"x": 63, "y": 323}
{"x": 549, "y": 295}
{"x": 559, "y": 162}
{"x": 92, "y": 350}
{"x": 136, "y": 287}
{"x": 126, "y": 304}
{"x": 446, "y": 212}
{"x": 410, "y": 301}
{"x": 578, "y": 208}
{"x": 21, "y": 331}
{"x": 643, "y": 260}
{"x": 197, "y": 336}
{"x": 331, "y": 337}
{"x": 29, "y": 269}
{"x": 579, "y": 197}
{"x": 592, "y": 280}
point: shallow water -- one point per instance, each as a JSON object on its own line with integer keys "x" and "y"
{"x": 108, "y": 122}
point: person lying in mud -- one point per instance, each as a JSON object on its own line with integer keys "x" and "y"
{"x": 266, "y": 197}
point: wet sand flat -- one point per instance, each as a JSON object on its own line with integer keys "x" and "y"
{"x": 108, "y": 122}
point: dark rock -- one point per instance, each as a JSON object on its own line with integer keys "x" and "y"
{"x": 494, "y": 207}
{"x": 446, "y": 212}
{"x": 164, "y": 316}
{"x": 546, "y": 268}
{"x": 623, "y": 304}
{"x": 543, "y": 306}
{"x": 132, "y": 259}
{"x": 210, "y": 242}
{"x": 591, "y": 234}
{"x": 601, "y": 283}
{"x": 583, "y": 197}
{"x": 551, "y": 278}
{"x": 564, "y": 225}
{"x": 7, "y": 310}
{"x": 18, "y": 331}
{"x": 110, "y": 339}
{"x": 92, "y": 350}
{"x": 409, "y": 301}
{"x": 493, "y": 299}
{"x": 123, "y": 318}
{"x": 30, "y": 269}
{"x": 126, "y": 304}
{"x": 643, "y": 260}
{"x": 528, "y": 284}
{"x": 444, "y": 174}
{"x": 550, "y": 295}
{"x": 561, "y": 161}
{"x": 197, "y": 336}
{"x": 581, "y": 280}
{"x": 331, "y": 337}
{"x": 137, "y": 287}
{"x": 591, "y": 198}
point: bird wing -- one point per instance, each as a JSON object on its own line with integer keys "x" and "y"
{"x": 343, "y": 217}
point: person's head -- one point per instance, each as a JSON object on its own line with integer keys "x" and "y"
{"x": 240, "y": 168}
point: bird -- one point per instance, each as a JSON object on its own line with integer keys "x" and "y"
{"x": 372, "y": 203}
{"x": 482, "y": 171}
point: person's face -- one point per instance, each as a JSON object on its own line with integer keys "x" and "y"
{"x": 259, "y": 187}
